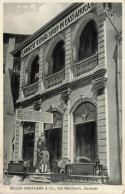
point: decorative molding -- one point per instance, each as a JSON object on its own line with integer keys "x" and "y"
{"x": 37, "y": 104}
{"x": 55, "y": 79}
{"x": 85, "y": 65}
{"x": 65, "y": 96}
{"x": 85, "y": 113}
{"x": 54, "y": 109}
{"x": 101, "y": 15}
{"x": 80, "y": 101}
{"x": 99, "y": 84}
{"x": 99, "y": 71}
{"x": 92, "y": 75}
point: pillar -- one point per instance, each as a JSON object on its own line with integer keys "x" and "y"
{"x": 41, "y": 63}
{"x": 16, "y": 148}
{"x": 102, "y": 125}
{"x": 21, "y": 79}
{"x": 68, "y": 55}
{"x": 66, "y": 124}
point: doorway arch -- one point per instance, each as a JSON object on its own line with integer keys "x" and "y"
{"x": 85, "y": 131}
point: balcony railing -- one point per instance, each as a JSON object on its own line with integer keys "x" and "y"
{"x": 55, "y": 79}
{"x": 31, "y": 89}
{"x": 85, "y": 66}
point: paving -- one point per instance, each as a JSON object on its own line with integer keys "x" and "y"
{"x": 34, "y": 179}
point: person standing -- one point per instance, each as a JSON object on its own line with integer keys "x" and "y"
{"x": 44, "y": 154}
{"x": 40, "y": 146}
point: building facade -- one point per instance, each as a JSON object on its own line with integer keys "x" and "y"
{"x": 70, "y": 68}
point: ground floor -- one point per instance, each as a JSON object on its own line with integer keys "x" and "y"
{"x": 80, "y": 142}
{"x": 80, "y": 132}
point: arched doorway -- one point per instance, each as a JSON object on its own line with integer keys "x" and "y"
{"x": 53, "y": 134}
{"x": 85, "y": 132}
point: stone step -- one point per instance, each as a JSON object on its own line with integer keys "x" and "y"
{"x": 88, "y": 179}
{"x": 80, "y": 179}
{"x": 43, "y": 176}
{"x": 36, "y": 178}
{"x": 39, "y": 180}
{"x": 40, "y": 174}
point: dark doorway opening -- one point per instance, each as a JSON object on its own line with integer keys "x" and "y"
{"x": 54, "y": 144}
{"x": 86, "y": 140}
{"x": 28, "y": 148}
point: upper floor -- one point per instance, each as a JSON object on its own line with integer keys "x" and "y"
{"x": 71, "y": 46}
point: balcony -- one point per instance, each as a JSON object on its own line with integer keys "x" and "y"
{"x": 55, "y": 79}
{"x": 31, "y": 89}
{"x": 85, "y": 66}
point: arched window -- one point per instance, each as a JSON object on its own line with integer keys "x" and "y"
{"x": 88, "y": 41}
{"x": 85, "y": 132}
{"x": 58, "y": 57}
{"x": 34, "y": 74}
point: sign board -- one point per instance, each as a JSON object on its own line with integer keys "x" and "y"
{"x": 34, "y": 116}
{"x": 72, "y": 17}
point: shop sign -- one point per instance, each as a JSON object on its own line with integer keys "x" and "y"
{"x": 72, "y": 17}
{"x": 34, "y": 116}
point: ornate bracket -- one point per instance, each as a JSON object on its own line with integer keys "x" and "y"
{"x": 65, "y": 96}
{"x": 99, "y": 84}
{"x": 37, "y": 105}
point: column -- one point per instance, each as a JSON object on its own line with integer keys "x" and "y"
{"x": 21, "y": 79}
{"x": 102, "y": 141}
{"x": 38, "y": 130}
{"x": 68, "y": 55}
{"x": 101, "y": 33}
{"x": 66, "y": 125}
{"x": 101, "y": 126}
{"x": 20, "y": 142}
{"x": 16, "y": 148}
{"x": 41, "y": 63}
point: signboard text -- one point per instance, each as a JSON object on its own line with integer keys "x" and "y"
{"x": 34, "y": 116}
{"x": 75, "y": 15}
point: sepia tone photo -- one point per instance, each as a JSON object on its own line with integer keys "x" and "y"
{"x": 62, "y": 93}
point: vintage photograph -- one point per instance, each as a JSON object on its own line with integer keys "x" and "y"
{"x": 62, "y": 93}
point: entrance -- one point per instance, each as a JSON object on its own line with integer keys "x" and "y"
{"x": 53, "y": 134}
{"x": 85, "y": 132}
{"x": 28, "y": 143}
{"x": 54, "y": 144}
{"x": 86, "y": 141}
